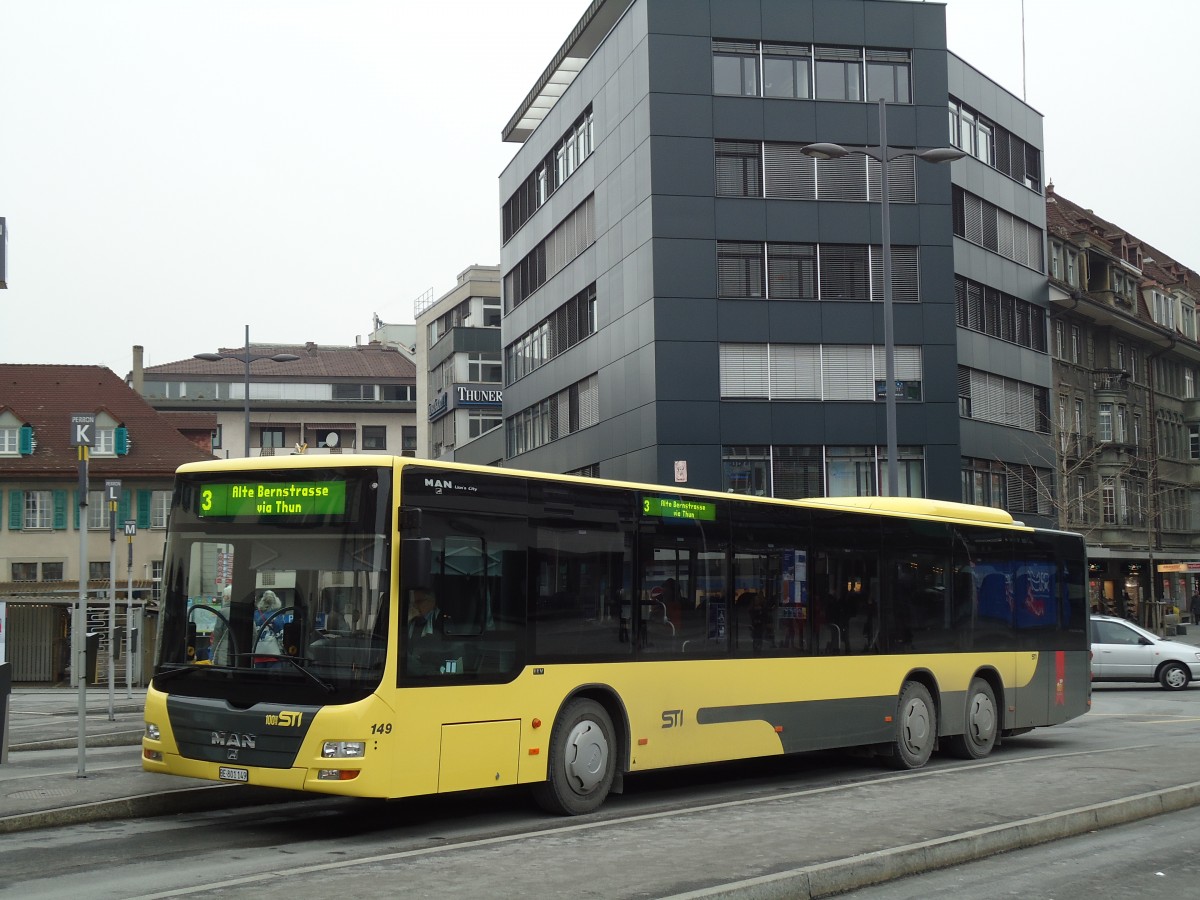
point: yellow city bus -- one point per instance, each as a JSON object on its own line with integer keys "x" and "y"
{"x": 452, "y": 627}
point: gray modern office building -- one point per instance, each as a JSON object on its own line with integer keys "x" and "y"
{"x": 691, "y": 297}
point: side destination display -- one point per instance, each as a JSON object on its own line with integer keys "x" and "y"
{"x": 275, "y": 498}
{"x": 675, "y": 508}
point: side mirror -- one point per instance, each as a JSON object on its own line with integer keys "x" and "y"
{"x": 416, "y": 563}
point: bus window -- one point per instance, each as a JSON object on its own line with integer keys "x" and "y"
{"x": 581, "y": 551}
{"x": 477, "y": 587}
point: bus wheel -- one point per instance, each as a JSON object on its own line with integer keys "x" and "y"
{"x": 916, "y": 727}
{"x": 981, "y": 723}
{"x": 581, "y": 763}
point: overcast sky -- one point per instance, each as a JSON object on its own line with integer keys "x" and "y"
{"x": 172, "y": 171}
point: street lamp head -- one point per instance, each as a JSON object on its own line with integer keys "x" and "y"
{"x": 824, "y": 151}
{"x": 284, "y": 357}
{"x": 209, "y": 357}
{"x": 941, "y": 154}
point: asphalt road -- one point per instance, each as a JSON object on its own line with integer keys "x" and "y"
{"x": 771, "y": 828}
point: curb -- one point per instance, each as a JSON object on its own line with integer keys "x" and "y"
{"x": 865, "y": 870}
{"x": 185, "y": 800}
{"x": 114, "y": 739}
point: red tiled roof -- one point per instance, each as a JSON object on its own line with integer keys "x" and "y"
{"x": 46, "y": 396}
{"x": 366, "y": 361}
{"x": 1069, "y": 220}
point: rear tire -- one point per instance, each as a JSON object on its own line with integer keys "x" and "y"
{"x": 916, "y": 727}
{"x": 582, "y": 761}
{"x": 982, "y": 723}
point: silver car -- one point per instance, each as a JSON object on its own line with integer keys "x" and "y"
{"x": 1121, "y": 651}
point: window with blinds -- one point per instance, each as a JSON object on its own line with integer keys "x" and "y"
{"x": 790, "y": 175}
{"x": 988, "y": 397}
{"x": 568, "y": 154}
{"x": 798, "y": 472}
{"x": 888, "y": 76}
{"x": 902, "y": 180}
{"x": 790, "y": 71}
{"x": 739, "y": 169}
{"x": 570, "y": 238}
{"x": 905, "y": 274}
{"x": 566, "y": 412}
{"x": 743, "y": 371}
{"x": 839, "y": 73}
{"x": 829, "y": 272}
{"x": 787, "y": 70}
{"x": 571, "y": 323}
{"x": 989, "y": 311}
{"x": 997, "y": 230}
{"x": 845, "y": 272}
{"x": 735, "y": 67}
{"x": 1009, "y": 154}
{"x": 814, "y": 371}
{"x": 792, "y": 271}
{"x": 740, "y": 270}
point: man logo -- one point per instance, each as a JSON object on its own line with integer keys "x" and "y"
{"x": 233, "y": 739}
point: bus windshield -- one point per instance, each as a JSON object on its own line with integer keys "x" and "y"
{"x": 271, "y": 580}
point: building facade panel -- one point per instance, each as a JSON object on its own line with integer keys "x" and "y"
{"x": 726, "y": 285}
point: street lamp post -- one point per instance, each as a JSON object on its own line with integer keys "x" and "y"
{"x": 884, "y": 155}
{"x": 246, "y": 357}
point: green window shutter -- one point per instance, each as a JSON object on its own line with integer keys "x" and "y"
{"x": 16, "y": 510}
{"x": 121, "y": 440}
{"x": 123, "y": 507}
{"x": 60, "y": 510}
{"x": 25, "y": 440}
{"x": 143, "y": 516}
{"x": 75, "y": 506}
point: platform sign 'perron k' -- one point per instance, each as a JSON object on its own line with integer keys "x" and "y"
{"x": 83, "y": 430}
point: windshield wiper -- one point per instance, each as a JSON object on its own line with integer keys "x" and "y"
{"x": 188, "y": 668}
{"x": 324, "y": 685}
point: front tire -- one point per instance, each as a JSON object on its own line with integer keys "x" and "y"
{"x": 1174, "y": 676}
{"x": 916, "y": 727}
{"x": 582, "y": 761}
{"x": 982, "y": 723}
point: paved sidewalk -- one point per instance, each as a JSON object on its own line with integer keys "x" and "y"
{"x": 41, "y": 786}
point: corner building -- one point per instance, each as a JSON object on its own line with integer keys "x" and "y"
{"x": 686, "y": 291}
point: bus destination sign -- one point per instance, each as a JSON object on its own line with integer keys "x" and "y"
{"x": 276, "y": 498}
{"x": 676, "y": 508}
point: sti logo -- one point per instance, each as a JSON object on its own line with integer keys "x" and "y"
{"x": 285, "y": 719}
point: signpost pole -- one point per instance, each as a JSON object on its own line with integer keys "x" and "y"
{"x": 81, "y": 437}
{"x": 113, "y": 491}
{"x": 130, "y": 531}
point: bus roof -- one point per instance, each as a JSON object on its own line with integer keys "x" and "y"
{"x": 906, "y": 507}
{"x": 920, "y": 508}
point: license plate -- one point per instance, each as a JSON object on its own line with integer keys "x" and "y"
{"x": 227, "y": 774}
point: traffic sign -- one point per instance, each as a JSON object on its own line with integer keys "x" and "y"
{"x": 112, "y": 491}
{"x": 131, "y": 527}
{"x": 82, "y": 429}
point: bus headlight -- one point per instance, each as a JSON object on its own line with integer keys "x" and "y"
{"x": 343, "y": 749}
{"x": 152, "y": 731}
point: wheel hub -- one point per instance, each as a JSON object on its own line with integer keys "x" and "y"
{"x": 587, "y": 756}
